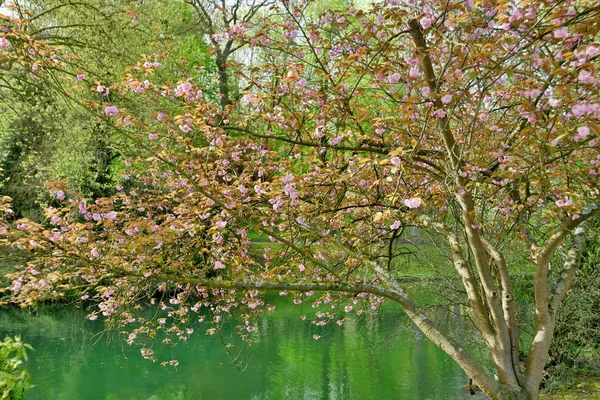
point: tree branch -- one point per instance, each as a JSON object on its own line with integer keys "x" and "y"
{"x": 465, "y": 199}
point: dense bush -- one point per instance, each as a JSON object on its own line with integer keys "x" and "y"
{"x": 14, "y": 378}
{"x": 576, "y": 345}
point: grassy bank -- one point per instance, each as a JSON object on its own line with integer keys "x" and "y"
{"x": 584, "y": 388}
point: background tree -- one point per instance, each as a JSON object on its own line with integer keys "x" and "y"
{"x": 221, "y": 22}
{"x": 46, "y": 134}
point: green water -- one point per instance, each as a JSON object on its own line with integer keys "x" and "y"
{"x": 377, "y": 357}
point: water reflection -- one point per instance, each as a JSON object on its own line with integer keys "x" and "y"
{"x": 373, "y": 358}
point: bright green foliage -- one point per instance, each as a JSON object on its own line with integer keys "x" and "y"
{"x": 45, "y": 134}
{"x": 14, "y": 378}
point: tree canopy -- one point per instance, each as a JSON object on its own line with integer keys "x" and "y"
{"x": 475, "y": 122}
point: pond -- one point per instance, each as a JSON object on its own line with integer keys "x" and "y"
{"x": 380, "y": 356}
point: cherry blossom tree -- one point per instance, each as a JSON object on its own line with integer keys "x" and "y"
{"x": 476, "y": 122}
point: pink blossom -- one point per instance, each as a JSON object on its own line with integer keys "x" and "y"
{"x": 394, "y": 78}
{"x": 336, "y": 140}
{"x": 153, "y": 136}
{"x": 161, "y": 116}
{"x": 219, "y": 265}
{"x": 583, "y": 132}
{"x": 80, "y": 77}
{"x": 300, "y": 219}
{"x": 111, "y": 216}
{"x": 95, "y": 252}
{"x": 316, "y": 337}
{"x": 301, "y": 268}
{"x": 414, "y": 72}
{"x": 186, "y": 128}
{"x": 592, "y": 51}
{"x": 183, "y": 88}
{"x": 585, "y": 77}
{"x": 35, "y": 67}
{"x": 348, "y": 308}
{"x": 564, "y": 203}
{"x": 4, "y": 42}
{"x": 533, "y": 93}
{"x": 575, "y": 216}
{"x": 579, "y": 110}
{"x": 414, "y": 202}
{"x": 395, "y": 225}
{"x": 32, "y": 52}
{"x": 447, "y": 98}
{"x": 440, "y": 113}
{"x": 60, "y": 195}
{"x": 561, "y": 33}
{"x": 412, "y": 61}
{"x": 17, "y": 287}
{"x": 93, "y": 317}
{"x": 425, "y": 22}
{"x": 111, "y": 110}
{"x": 301, "y": 83}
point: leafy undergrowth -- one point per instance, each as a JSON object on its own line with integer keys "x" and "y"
{"x": 585, "y": 388}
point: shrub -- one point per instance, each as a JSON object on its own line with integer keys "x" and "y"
{"x": 14, "y": 378}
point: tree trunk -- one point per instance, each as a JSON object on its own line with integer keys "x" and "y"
{"x": 223, "y": 86}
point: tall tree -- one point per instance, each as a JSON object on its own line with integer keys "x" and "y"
{"x": 477, "y": 123}
{"x": 99, "y": 42}
{"x": 222, "y": 22}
